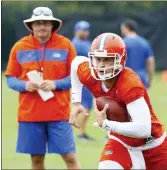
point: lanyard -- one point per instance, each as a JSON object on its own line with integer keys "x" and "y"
{"x": 41, "y": 63}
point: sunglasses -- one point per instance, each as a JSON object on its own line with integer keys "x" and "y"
{"x": 41, "y": 11}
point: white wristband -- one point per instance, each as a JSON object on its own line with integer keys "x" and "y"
{"x": 76, "y": 97}
{"x": 109, "y": 125}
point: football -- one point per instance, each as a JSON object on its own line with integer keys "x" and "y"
{"x": 116, "y": 110}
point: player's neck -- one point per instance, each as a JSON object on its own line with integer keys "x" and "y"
{"x": 109, "y": 83}
{"x": 132, "y": 34}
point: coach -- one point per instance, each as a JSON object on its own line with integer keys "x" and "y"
{"x": 43, "y": 122}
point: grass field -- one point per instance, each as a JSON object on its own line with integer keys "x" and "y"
{"x": 88, "y": 152}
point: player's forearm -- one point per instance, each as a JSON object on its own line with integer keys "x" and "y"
{"x": 75, "y": 81}
{"x": 130, "y": 129}
{"x": 16, "y": 84}
{"x": 150, "y": 68}
{"x": 140, "y": 127}
{"x": 63, "y": 84}
{"x": 76, "y": 84}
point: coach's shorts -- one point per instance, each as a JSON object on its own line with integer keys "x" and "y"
{"x": 87, "y": 98}
{"x": 41, "y": 137}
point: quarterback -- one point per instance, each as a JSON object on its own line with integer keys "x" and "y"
{"x": 138, "y": 144}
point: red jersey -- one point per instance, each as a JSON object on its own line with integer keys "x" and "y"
{"x": 55, "y": 57}
{"x": 128, "y": 88}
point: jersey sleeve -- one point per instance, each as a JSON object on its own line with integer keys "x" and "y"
{"x": 80, "y": 75}
{"x": 13, "y": 66}
{"x": 85, "y": 76}
{"x": 131, "y": 88}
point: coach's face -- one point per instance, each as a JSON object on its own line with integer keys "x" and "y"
{"x": 42, "y": 29}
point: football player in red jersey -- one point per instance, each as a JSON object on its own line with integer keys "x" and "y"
{"x": 139, "y": 144}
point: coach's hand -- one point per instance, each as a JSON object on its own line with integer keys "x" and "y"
{"x": 47, "y": 85}
{"x": 31, "y": 87}
{"x": 76, "y": 109}
{"x": 101, "y": 115}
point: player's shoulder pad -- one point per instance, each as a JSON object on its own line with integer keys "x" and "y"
{"x": 79, "y": 60}
{"x": 128, "y": 80}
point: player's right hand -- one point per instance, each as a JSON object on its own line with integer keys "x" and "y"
{"x": 101, "y": 115}
{"x": 31, "y": 87}
{"x": 76, "y": 109}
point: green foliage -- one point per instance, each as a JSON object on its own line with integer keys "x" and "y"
{"x": 14, "y": 12}
{"x": 69, "y": 7}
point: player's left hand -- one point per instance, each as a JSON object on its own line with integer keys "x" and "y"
{"x": 76, "y": 109}
{"x": 101, "y": 115}
{"x": 47, "y": 85}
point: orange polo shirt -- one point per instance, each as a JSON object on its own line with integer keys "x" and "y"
{"x": 55, "y": 57}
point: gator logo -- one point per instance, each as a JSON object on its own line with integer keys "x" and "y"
{"x": 109, "y": 152}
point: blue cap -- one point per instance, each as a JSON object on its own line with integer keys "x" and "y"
{"x": 81, "y": 26}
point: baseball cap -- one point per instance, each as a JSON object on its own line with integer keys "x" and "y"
{"x": 81, "y": 26}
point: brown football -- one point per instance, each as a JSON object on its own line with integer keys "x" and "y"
{"x": 116, "y": 110}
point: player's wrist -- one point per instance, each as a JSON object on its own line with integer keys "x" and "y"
{"x": 76, "y": 98}
{"x": 105, "y": 124}
{"x": 109, "y": 125}
{"x": 100, "y": 121}
{"x": 76, "y": 103}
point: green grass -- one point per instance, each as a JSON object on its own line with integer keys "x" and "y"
{"x": 87, "y": 152}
